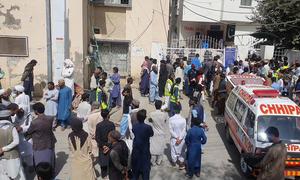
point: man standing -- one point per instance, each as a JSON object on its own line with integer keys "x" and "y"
{"x": 158, "y": 121}
{"x": 118, "y": 157}
{"x": 141, "y": 157}
{"x": 153, "y": 85}
{"x": 22, "y": 122}
{"x": 194, "y": 139}
{"x": 42, "y": 136}
{"x": 93, "y": 119}
{"x": 273, "y": 164}
{"x": 64, "y": 104}
{"x": 95, "y": 83}
{"x": 83, "y": 110}
{"x": 22, "y": 100}
{"x": 163, "y": 77}
{"x": 177, "y": 125}
{"x": 127, "y": 93}
{"x": 10, "y": 164}
{"x": 167, "y": 92}
{"x": 174, "y": 98}
{"x": 51, "y": 97}
{"x": 102, "y": 130}
{"x": 27, "y": 78}
{"x": 196, "y": 62}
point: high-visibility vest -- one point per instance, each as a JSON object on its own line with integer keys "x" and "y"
{"x": 98, "y": 94}
{"x": 104, "y": 105}
{"x": 285, "y": 67}
{"x": 167, "y": 90}
{"x": 173, "y": 98}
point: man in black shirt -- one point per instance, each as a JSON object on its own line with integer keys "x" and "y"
{"x": 102, "y": 130}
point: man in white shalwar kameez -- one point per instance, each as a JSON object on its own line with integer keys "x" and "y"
{"x": 177, "y": 125}
{"x": 22, "y": 121}
{"x": 22, "y": 100}
{"x": 158, "y": 121}
{"x": 10, "y": 164}
{"x": 83, "y": 110}
{"x": 51, "y": 98}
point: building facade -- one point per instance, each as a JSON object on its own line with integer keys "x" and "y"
{"x": 91, "y": 33}
{"x": 228, "y": 22}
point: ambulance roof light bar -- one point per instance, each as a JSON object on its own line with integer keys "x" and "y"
{"x": 266, "y": 93}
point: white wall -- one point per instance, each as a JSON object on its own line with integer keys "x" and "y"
{"x": 213, "y": 10}
{"x": 194, "y": 5}
{"x": 243, "y": 13}
{"x": 244, "y": 42}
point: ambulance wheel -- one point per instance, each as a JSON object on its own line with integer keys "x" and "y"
{"x": 244, "y": 167}
{"x": 228, "y": 136}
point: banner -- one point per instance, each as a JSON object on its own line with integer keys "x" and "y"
{"x": 230, "y": 56}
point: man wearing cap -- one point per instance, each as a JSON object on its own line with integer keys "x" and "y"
{"x": 177, "y": 125}
{"x": 27, "y": 78}
{"x": 22, "y": 100}
{"x": 22, "y": 121}
{"x": 10, "y": 164}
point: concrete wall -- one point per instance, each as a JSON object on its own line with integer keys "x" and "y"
{"x": 201, "y": 8}
{"x": 220, "y": 10}
{"x": 233, "y": 11}
{"x": 20, "y": 18}
{"x": 145, "y": 23}
{"x": 78, "y": 38}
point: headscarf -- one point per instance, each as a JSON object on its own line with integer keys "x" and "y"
{"x": 19, "y": 88}
{"x": 77, "y": 130}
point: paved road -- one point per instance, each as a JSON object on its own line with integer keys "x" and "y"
{"x": 220, "y": 160}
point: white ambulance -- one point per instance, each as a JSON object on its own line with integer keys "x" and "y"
{"x": 236, "y": 80}
{"x": 250, "y": 110}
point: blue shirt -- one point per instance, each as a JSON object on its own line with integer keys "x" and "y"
{"x": 197, "y": 62}
{"x": 276, "y": 86}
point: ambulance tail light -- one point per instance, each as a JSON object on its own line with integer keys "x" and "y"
{"x": 266, "y": 93}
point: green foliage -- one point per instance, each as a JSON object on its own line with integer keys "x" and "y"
{"x": 280, "y": 22}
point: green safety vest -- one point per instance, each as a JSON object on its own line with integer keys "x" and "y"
{"x": 173, "y": 98}
{"x": 104, "y": 106}
{"x": 167, "y": 91}
{"x": 285, "y": 67}
{"x": 98, "y": 91}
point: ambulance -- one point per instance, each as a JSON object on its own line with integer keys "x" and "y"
{"x": 249, "y": 111}
{"x": 235, "y": 80}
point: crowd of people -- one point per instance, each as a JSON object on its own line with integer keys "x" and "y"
{"x": 125, "y": 150}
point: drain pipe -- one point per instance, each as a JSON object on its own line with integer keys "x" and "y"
{"x": 49, "y": 40}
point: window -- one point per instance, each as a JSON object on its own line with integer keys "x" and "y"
{"x": 114, "y": 54}
{"x": 13, "y": 46}
{"x": 246, "y": 2}
{"x": 249, "y": 123}
{"x": 117, "y": 3}
{"x": 231, "y": 101}
{"x": 239, "y": 110}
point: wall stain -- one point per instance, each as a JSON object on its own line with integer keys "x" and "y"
{"x": 9, "y": 20}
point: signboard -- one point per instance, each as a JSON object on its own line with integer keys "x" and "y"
{"x": 230, "y": 56}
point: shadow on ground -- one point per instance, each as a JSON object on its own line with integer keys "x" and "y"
{"x": 61, "y": 160}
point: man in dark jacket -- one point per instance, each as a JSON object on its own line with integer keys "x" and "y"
{"x": 118, "y": 157}
{"x": 141, "y": 157}
{"x": 27, "y": 78}
{"x": 102, "y": 130}
{"x": 42, "y": 136}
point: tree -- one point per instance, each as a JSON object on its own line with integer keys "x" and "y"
{"x": 280, "y": 22}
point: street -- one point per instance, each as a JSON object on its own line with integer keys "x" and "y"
{"x": 219, "y": 161}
